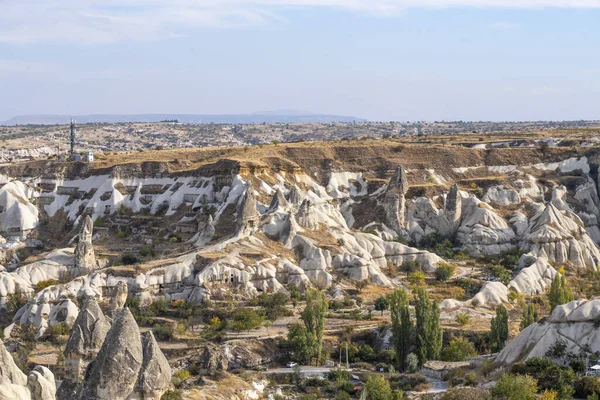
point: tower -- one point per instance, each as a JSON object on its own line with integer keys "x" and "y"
{"x": 72, "y": 138}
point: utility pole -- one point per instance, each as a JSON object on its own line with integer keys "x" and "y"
{"x": 347, "y": 364}
{"x": 72, "y": 137}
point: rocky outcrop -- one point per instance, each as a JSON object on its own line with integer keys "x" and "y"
{"x": 86, "y": 339}
{"x": 483, "y": 232}
{"x": 533, "y": 279}
{"x": 41, "y": 384}
{"x": 155, "y": 374}
{"x": 278, "y": 202}
{"x": 84, "y": 252}
{"x": 119, "y": 297}
{"x": 560, "y": 235}
{"x": 294, "y": 197}
{"x": 306, "y": 216}
{"x": 452, "y": 215}
{"x": 113, "y": 375}
{"x": 394, "y": 201}
{"x": 313, "y": 261}
{"x": 9, "y": 372}
{"x": 248, "y": 217}
{"x": 212, "y": 359}
{"x": 14, "y": 385}
{"x": 574, "y": 323}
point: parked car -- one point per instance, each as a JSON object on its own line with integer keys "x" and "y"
{"x": 291, "y": 364}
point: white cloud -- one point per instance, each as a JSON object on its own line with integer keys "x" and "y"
{"x": 106, "y": 21}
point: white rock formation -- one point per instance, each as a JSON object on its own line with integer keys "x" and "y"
{"x": 501, "y": 196}
{"x": 576, "y": 323}
{"x": 394, "y": 201}
{"x": 84, "y": 252}
{"x": 559, "y": 235}
{"x": 533, "y": 279}
{"x": 483, "y": 231}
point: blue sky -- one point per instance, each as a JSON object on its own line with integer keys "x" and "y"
{"x": 378, "y": 59}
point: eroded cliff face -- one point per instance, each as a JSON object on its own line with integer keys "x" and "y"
{"x": 287, "y": 219}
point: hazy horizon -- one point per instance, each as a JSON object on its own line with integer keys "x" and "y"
{"x": 382, "y": 60}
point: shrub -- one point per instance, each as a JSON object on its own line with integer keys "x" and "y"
{"x": 44, "y": 284}
{"x": 163, "y": 332}
{"x": 338, "y": 375}
{"x": 515, "y": 387}
{"x": 129, "y": 259}
{"x": 463, "y": 393}
{"x": 171, "y": 395}
{"x": 444, "y": 271}
{"x": 458, "y": 350}
{"x": 586, "y": 386}
{"x": 245, "y": 319}
{"x": 180, "y": 376}
{"x": 412, "y": 363}
{"x": 463, "y": 319}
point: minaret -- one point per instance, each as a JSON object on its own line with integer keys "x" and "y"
{"x": 73, "y": 132}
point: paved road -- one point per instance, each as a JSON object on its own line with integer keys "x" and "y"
{"x": 438, "y": 386}
{"x": 305, "y": 370}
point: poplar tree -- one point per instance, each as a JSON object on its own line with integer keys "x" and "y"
{"x": 529, "y": 316}
{"x": 560, "y": 293}
{"x": 429, "y": 330}
{"x": 499, "y": 332}
{"x": 314, "y": 318}
{"x": 401, "y": 325}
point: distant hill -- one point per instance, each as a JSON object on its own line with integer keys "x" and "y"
{"x": 269, "y": 117}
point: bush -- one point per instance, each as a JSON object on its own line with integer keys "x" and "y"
{"x": 444, "y": 271}
{"x": 586, "y": 386}
{"x": 412, "y": 363}
{"x": 44, "y": 284}
{"x": 515, "y": 387}
{"x": 180, "y": 376}
{"x": 129, "y": 259}
{"x": 463, "y": 319}
{"x": 171, "y": 395}
{"x": 458, "y": 350}
{"x": 463, "y": 393}
{"x": 338, "y": 375}
{"x": 163, "y": 332}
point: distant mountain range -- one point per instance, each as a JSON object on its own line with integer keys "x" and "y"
{"x": 258, "y": 118}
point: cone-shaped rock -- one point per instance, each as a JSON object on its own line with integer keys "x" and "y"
{"x": 85, "y": 341}
{"x": 9, "y": 372}
{"x": 294, "y": 197}
{"x": 84, "y": 252}
{"x": 451, "y": 217}
{"x": 248, "y": 215}
{"x": 306, "y": 215}
{"x": 114, "y": 373}
{"x": 155, "y": 375}
{"x": 278, "y": 201}
{"x": 394, "y": 202}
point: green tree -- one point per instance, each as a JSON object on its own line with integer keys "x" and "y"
{"x": 529, "y": 316}
{"x": 401, "y": 325}
{"x": 409, "y": 267}
{"x": 314, "y": 317}
{"x": 499, "y": 331}
{"x": 245, "y": 319}
{"x": 560, "y": 293}
{"x": 377, "y": 388}
{"x": 444, "y": 271}
{"x": 429, "y": 330}
{"x": 459, "y": 350}
{"x": 382, "y": 304}
{"x": 302, "y": 343}
{"x": 515, "y": 387}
